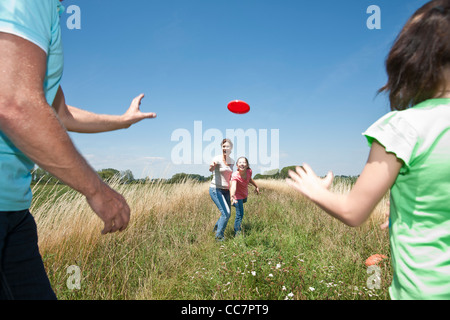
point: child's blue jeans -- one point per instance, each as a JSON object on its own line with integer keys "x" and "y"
{"x": 239, "y": 215}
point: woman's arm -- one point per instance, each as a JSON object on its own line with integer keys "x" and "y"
{"x": 354, "y": 208}
{"x": 82, "y": 121}
{"x": 212, "y": 166}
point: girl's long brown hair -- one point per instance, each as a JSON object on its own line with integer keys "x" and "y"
{"x": 415, "y": 65}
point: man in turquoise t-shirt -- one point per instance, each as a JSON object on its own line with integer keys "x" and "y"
{"x": 34, "y": 118}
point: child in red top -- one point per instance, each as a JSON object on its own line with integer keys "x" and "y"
{"x": 239, "y": 190}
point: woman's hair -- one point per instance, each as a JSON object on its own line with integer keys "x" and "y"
{"x": 415, "y": 65}
{"x": 246, "y": 160}
{"x": 226, "y": 140}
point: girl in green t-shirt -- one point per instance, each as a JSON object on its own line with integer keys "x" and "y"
{"x": 410, "y": 156}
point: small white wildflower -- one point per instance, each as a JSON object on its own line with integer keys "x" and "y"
{"x": 289, "y": 296}
{"x": 253, "y": 273}
{"x": 278, "y": 265}
{"x": 311, "y": 289}
{"x": 270, "y": 275}
{"x": 283, "y": 288}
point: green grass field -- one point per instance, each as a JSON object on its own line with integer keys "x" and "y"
{"x": 289, "y": 249}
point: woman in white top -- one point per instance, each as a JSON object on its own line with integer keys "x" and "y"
{"x": 219, "y": 190}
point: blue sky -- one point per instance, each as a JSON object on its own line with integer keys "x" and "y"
{"x": 309, "y": 69}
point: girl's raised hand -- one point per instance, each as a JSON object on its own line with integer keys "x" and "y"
{"x": 308, "y": 183}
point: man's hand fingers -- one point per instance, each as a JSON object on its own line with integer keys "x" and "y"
{"x": 107, "y": 227}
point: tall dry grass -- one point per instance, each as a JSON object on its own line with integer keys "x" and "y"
{"x": 169, "y": 252}
{"x": 164, "y": 219}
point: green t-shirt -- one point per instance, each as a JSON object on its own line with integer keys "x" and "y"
{"x": 37, "y": 22}
{"x": 420, "y": 198}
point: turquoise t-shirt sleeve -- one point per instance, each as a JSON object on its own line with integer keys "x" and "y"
{"x": 396, "y": 135}
{"x": 18, "y": 17}
{"x": 36, "y": 21}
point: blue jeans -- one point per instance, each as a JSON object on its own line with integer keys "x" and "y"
{"x": 22, "y": 273}
{"x": 221, "y": 198}
{"x": 239, "y": 215}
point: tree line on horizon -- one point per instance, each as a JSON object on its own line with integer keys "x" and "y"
{"x": 126, "y": 176}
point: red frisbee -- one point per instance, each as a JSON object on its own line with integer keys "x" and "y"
{"x": 238, "y": 106}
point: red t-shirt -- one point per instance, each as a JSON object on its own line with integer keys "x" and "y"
{"x": 241, "y": 184}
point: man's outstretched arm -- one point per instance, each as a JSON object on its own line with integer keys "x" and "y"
{"x": 79, "y": 120}
{"x": 33, "y": 126}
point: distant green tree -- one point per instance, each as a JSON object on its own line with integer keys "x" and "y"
{"x": 272, "y": 172}
{"x": 258, "y": 176}
{"x": 37, "y": 174}
{"x": 42, "y": 176}
{"x": 276, "y": 174}
{"x": 109, "y": 174}
{"x": 284, "y": 172}
{"x": 126, "y": 176}
{"x": 180, "y": 177}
